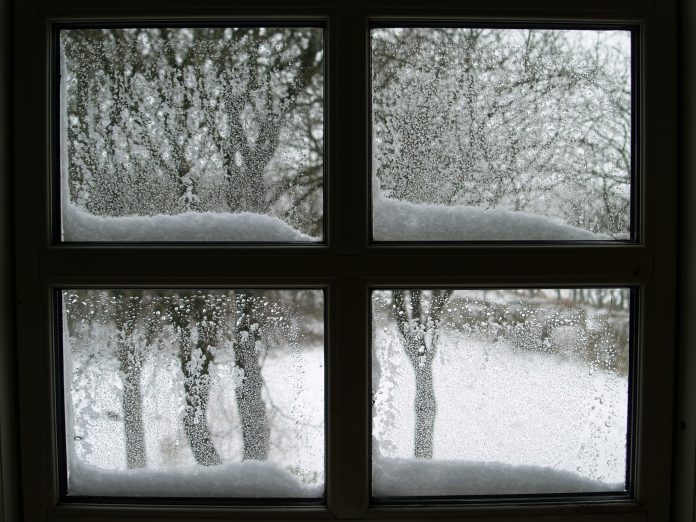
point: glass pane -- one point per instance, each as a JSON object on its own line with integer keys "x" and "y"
{"x": 501, "y": 134}
{"x": 184, "y": 393}
{"x": 499, "y": 392}
{"x": 192, "y": 134}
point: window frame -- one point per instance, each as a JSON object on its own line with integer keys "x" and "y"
{"x": 347, "y": 265}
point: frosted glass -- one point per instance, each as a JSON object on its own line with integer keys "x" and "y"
{"x": 192, "y": 134}
{"x": 185, "y": 393}
{"x": 501, "y": 134}
{"x": 499, "y": 392}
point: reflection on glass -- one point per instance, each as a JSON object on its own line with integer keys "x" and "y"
{"x": 501, "y": 134}
{"x": 483, "y": 392}
{"x": 192, "y": 134}
{"x": 212, "y": 393}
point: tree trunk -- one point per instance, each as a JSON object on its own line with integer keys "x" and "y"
{"x": 132, "y": 404}
{"x": 252, "y": 409}
{"x": 196, "y": 388}
{"x": 130, "y": 364}
{"x": 425, "y": 412}
{"x": 196, "y": 425}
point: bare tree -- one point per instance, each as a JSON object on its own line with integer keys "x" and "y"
{"x": 418, "y": 324}
{"x": 196, "y": 354}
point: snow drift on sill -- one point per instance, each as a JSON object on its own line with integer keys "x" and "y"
{"x": 249, "y": 479}
{"x": 79, "y": 225}
{"x": 392, "y": 477}
{"x": 395, "y": 220}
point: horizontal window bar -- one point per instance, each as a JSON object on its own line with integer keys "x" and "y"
{"x": 152, "y": 267}
{"x": 536, "y": 9}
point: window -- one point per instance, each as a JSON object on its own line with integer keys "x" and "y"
{"x": 514, "y": 392}
{"x": 333, "y": 251}
{"x": 473, "y": 123}
{"x": 195, "y": 134}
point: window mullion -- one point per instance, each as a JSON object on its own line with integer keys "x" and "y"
{"x": 347, "y": 301}
{"x": 348, "y": 131}
{"x": 348, "y": 405}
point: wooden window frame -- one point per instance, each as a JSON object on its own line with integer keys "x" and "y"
{"x": 348, "y": 265}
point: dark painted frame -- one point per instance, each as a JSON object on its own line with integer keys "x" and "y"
{"x": 348, "y": 265}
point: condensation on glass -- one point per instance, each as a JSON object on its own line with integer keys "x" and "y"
{"x": 194, "y": 393}
{"x": 192, "y": 134}
{"x": 499, "y": 392}
{"x": 501, "y": 134}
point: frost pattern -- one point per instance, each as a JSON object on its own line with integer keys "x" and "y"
{"x": 194, "y": 393}
{"x": 533, "y": 121}
{"x": 166, "y": 121}
{"x": 499, "y": 391}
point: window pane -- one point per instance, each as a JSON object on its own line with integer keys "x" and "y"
{"x": 192, "y": 134}
{"x": 184, "y": 393}
{"x": 483, "y": 392}
{"x": 501, "y": 134}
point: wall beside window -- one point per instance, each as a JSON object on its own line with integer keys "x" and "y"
{"x": 684, "y": 483}
{"x": 685, "y": 440}
{"x": 9, "y": 477}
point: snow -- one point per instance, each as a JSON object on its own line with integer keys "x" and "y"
{"x": 249, "y": 479}
{"x": 295, "y": 466}
{"x": 79, "y": 225}
{"x": 393, "y": 477}
{"x": 394, "y": 220}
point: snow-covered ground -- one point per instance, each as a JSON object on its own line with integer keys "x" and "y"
{"x": 294, "y": 393}
{"x": 508, "y": 421}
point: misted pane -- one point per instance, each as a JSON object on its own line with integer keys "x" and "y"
{"x": 184, "y": 393}
{"x": 501, "y": 134}
{"x": 192, "y": 134}
{"x": 488, "y": 392}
